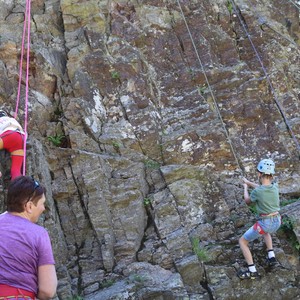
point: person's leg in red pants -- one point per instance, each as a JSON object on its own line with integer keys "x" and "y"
{"x": 16, "y": 165}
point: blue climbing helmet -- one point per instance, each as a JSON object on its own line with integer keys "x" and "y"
{"x": 266, "y": 166}
{"x": 2, "y": 113}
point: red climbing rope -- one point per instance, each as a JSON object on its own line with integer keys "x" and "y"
{"x": 26, "y": 29}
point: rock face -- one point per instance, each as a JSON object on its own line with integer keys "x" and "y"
{"x": 143, "y": 116}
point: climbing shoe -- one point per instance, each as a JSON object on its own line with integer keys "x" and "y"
{"x": 247, "y": 275}
{"x": 272, "y": 262}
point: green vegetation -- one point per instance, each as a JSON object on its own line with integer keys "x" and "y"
{"x": 107, "y": 283}
{"x": 287, "y": 226}
{"x": 230, "y": 7}
{"x": 202, "y": 89}
{"x": 147, "y": 201}
{"x": 138, "y": 280}
{"x": 164, "y": 132}
{"x": 253, "y": 209}
{"x": 115, "y": 75}
{"x": 287, "y": 202}
{"x": 151, "y": 164}
{"x": 58, "y": 112}
{"x": 76, "y": 298}
{"x": 57, "y": 139}
{"x": 192, "y": 73}
{"x": 201, "y": 253}
{"x": 116, "y": 145}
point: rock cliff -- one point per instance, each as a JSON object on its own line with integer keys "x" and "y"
{"x": 143, "y": 117}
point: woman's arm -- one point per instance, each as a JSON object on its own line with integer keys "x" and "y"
{"x": 47, "y": 282}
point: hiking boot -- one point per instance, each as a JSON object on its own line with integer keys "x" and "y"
{"x": 247, "y": 275}
{"x": 272, "y": 262}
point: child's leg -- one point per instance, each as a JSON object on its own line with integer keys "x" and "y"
{"x": 250, "y": 235}
{"x": 269, "y": 244}
{"x": 268, "y": 241}
{"x": 251, "y": 273}
{"x": 16, "y": 164}
{"x": 246, "y": 251}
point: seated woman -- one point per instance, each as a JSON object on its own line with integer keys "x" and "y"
{"x": 12, "y": 140}
{"x": 26, "y": 259}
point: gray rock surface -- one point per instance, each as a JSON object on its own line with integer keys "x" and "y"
{"x": 142, "y": 134}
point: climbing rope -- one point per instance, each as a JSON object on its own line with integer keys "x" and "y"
{"x": 267, "y": 77}
{"x": 210, "y": 90}
{"x": 295, "y": 3}
{"x": 26, "y": 29}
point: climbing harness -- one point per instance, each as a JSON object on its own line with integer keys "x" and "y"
{"x": 211, "y": 91}
{"x": 26, "y": 30}
{"x": 258, "y": 228}
{"x": 267, "y": 77}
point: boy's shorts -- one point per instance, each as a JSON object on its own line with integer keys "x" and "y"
{"x": 262, "y": 226}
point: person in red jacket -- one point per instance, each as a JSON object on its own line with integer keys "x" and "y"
{"x": 12, "y": 140}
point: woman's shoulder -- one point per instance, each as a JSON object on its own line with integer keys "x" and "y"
{"x": 22, "y": 222}
{"x": 37, "y": 227}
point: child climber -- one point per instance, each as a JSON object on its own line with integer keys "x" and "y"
{"x": 266, "y": 198}
{"x": 12, "y": 140}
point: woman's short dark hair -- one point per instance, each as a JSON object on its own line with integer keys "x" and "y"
{"x": 21, "y": 190}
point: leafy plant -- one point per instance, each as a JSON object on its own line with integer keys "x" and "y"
{"x": 253, "y": 209}
{"x": 287, "y": 226}
{"x": 115, "y": 75}
{"x": 147, "y": 201}
{"x": 164, "y": 132}
{"x": 201, "y": 253}
{"x": 56, "y": 139}
{"x": 107, "y": 283}
{"x": 202, "y": 89}
{"x": 116, "y": 145}
{"x": 76, "y": 297}
{"x": 192, "y": 73}
{"x": 229, "y": 6}
{"x": 151, "y": 164}
{"x": 287, "y": 202}
{"x": 58, "y": 112}
{"x": 138, "y": 278}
